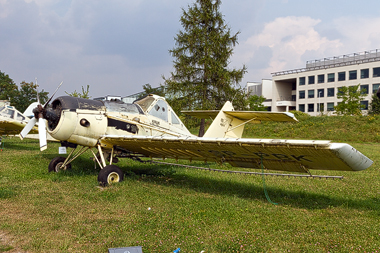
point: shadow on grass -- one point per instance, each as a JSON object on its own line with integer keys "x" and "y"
{"x": 14, "y": 143}
{"x": 299, "y": 199}
{"x": 167, "y": 176}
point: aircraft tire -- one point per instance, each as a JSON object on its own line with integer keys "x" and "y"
{"x": 110, "y": 174}
{"x": 56, "y": 162}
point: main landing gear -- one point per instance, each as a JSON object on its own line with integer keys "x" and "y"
{"x": 108, "y": 174}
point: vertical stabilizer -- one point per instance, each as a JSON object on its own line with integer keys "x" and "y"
{"x": 225, "y": 126}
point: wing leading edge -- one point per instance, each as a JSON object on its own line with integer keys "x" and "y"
{"x": 282, "y": 155}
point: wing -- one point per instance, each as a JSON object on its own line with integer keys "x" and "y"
{"x": 10, "y": 127}
{"x": 251, "y": 116}
{"x": 283, "y": 155}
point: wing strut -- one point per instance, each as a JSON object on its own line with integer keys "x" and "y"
{"x": 249, "y": 172}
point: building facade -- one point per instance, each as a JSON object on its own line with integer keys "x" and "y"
{"x": 314, "y": 89}
{"x": 263, "y": 88}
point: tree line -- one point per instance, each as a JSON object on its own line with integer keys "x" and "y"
{"x": 20, "y": 97}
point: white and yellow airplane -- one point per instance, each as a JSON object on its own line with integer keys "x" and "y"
{"x": 12, "y": 121}
{"x": 150, "y": 128}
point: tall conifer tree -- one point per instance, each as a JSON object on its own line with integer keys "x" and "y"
{"x": 201, "y": 78}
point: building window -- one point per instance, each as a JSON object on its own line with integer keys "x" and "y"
{"x": 302, "y": 94}
{"x": 364, "y": 105}
{"x": 320, "y": 93}
{"x": 364, "y": 73}
{"x": 331, "y": 77}
{"x": 341, "y": 76}
{"x": 311, "y": 80}
{"x": 294, "y": 98}
{"x": 330, "y": 92}
{"x": 375, "y": 87}
{"x": 352, "y": 75}
{"x": 310, "y": 107}
{"x": 330, "y": 107}
{"x": 376, "y": 72}
{"x": 310, "y": 93}
{"x": 321, "y": 78}
{"x": 301, "y": 108}
{"x": 364, "y": 89}
{"x": 302, "y": 80}
{"x": 320, "y": 107}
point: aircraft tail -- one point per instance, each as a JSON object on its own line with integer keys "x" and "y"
{"x": 29, "y": 111}
{"x": 229, "y": 123}
{"x": 224, "y": 125}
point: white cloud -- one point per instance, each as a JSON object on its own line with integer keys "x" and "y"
{"x": 289, "y": 39}
{"x": 358, "y": 33}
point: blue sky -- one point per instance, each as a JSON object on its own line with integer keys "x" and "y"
{"x": 116, "y": 46}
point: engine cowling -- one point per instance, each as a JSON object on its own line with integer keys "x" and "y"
{"x": 76, "y": 120}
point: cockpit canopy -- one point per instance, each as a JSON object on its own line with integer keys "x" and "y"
{"x": 158, "y": 107}
{"x": 12, "y": 113}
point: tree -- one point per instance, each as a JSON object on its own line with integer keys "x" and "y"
{"x": 27, "y": 94}
{"x": 84, "y": 93}
{"x": 8, "y": 89}
{"x": 148, "y": 89}
{"x": 374, "y": 107}
{"x": 255, "y": 103}
{"x": 201, "y": 79}
{"x": 351, "y": 97}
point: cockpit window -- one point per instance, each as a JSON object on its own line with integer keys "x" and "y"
{"x": 160, "y": 110}
{"x": 175, "y": 120}
{"x": 20, "y": 117}
{"x": 118, "y": 106}
{"x": 144, "y": 103}
{"x": 8, "y": 113}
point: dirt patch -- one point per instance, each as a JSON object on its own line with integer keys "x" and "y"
{"x": 7, "y": 242}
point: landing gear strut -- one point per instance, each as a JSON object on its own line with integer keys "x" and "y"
{"x": 108, "y": 174}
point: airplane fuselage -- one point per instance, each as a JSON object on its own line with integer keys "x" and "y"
{"x": 84, "y": 122}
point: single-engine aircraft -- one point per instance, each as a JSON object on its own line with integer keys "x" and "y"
{"x": 150, "y": 128}
{"x": 12, "y": 121}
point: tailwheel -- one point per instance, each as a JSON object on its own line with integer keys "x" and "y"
{"x": 110, "y": 174}
{"x": 56, "y": 163}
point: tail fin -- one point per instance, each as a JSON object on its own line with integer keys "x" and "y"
{"x": 29, "y": 111}
{"x": 229, "y": 123}
{"x": 224, "y": 125}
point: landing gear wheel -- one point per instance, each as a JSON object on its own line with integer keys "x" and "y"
{"x": 109, "y": 175}
{"x": 56, "y": 163}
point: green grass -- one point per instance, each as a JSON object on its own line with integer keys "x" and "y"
{"x": 163, "y": 208}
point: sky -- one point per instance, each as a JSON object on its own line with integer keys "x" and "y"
{"x": 117, "y": 46}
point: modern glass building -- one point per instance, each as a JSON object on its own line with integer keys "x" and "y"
{"x": 314, "y": 89}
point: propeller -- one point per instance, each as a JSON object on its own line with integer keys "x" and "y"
{"x": 39, "y": 113}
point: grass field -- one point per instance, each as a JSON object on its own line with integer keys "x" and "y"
{"x": 162, "y": 208}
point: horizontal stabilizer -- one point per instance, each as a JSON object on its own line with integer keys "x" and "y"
{"x": 245, "y": 115}
{"x": 229, "y": 123}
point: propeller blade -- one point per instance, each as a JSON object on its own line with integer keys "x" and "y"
{"x": 42, "y": 133}
{"x": 27, "y": 128}
{"x": 52, "y": 95}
